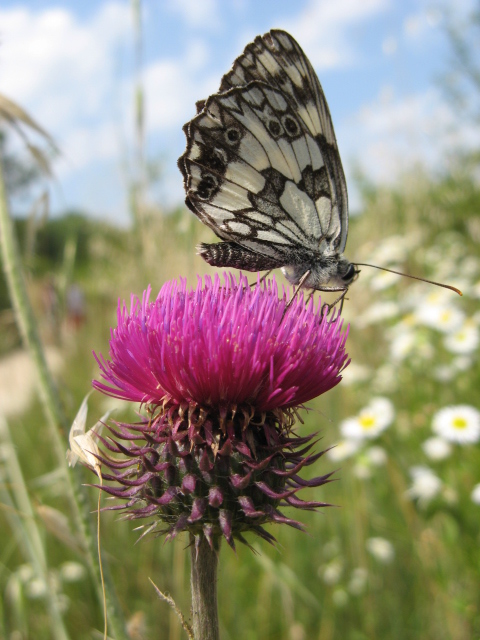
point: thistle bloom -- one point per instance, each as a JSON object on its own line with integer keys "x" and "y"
{"x": 220, "y": 371}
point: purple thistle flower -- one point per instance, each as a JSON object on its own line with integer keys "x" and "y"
{"x": 220, "y": 371}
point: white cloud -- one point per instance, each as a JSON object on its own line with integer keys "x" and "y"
{"x": 55, "y": 65}
{"x": 173, "y": 86}
{"x": 84, "y": 144}
{"x": 322, "y": 29}
{"x": 391, "y": 136}
{"x": 62, "y": 70}
{"x": 196, "y": 14}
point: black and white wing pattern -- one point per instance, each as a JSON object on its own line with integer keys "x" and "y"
{"x": 262, "y": 169}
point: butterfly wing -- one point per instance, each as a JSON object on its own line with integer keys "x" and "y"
{"x": 262, "y": 167}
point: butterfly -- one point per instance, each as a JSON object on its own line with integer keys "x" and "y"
{"x": 262, "y": 169}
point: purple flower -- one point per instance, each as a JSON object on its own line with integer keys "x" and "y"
{"x": 220, "y": 371}
{"x": 222, "y": 345}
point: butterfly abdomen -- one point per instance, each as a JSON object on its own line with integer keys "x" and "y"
{"x": 231, "y": 254}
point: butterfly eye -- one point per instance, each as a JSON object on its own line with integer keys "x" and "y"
{"x": 291, "y": 127}
{"x": 349, "y": 275}
{"x": 274, "y": 127}
{"x": 206, "y": 187}
{"x": 233, "y": 134}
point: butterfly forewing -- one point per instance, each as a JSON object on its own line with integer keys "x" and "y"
{"x": 262, "y": 167}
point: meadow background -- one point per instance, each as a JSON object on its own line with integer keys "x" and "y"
{"x": 397, "y": 557}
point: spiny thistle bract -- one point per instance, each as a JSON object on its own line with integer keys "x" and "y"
{"x": 220, "y": 371}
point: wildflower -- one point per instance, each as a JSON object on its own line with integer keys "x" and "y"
{"x": 444, "y": 373}
{"x": 371, "y": 420}
{"x": 367, "y": 460}
{"x": 464, "y": 340}
{"x": 381, "y": 549}
{"x": 220, "y": 371}
{"x": 460, "y": 424}
{"x": 425, "y": 485}
{"x": 444, "y": 318}
{"x": 463, "y": 363}
{"x": 331, "y": 573}
{"x": 475, "y": 495}
{"x": 343, "y": 450}
{"x": 376, "y": 456}
{"x": 358, "y": 581}
{"x": 402, "y": 344}
{"x": 72, "y": 572}
{"x": 436, "y": 448}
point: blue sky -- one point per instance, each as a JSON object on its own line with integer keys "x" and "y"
{"x": 71, "y": 64}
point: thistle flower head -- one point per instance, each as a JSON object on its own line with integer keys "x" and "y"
{"x": 220, "y": 371}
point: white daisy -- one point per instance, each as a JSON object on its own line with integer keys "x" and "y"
{"x": 475, "y": 495}
{"x": 331, "y": 572}
{"x": 444, "y": 373}
{"x": 433, "y": 299}
{"x": 475, "y": 291}
{"x": 425, "y": 484}
{"x": 343, "y": 450}
{"x": 381, "y": 549}
{"x": 72, "y": 571}
{"x": 376, "y": 456}
{"x": 462, "y": 363}
{"x": 371, "y": 420}
{"x": 358, "y": 581}
{"x": 463, "y": 340}
{"x": 441, "y": 317}
{"x": 437, "y": 448}
{"x": 460, "y": 424}
{"x": 402, "y": 345}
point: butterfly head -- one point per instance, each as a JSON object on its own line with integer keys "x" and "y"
{"x": 325, "y": 274}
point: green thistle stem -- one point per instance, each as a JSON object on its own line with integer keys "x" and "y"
{"x": 203, "y": 578}
{"x": 56, "y": 419}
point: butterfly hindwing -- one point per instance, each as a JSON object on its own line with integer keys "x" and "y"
{"x": 239, "y": 143}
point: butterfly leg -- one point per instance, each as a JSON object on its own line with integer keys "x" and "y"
{"x": 299, "y": 286}
{"x": 262, "y": 279}
{"x": 326, "y": 308}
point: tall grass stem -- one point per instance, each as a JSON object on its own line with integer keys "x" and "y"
{"x": 56, "y": 419}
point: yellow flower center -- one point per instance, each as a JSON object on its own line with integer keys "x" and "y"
{"x": 459, "y": 423}
{"x": 367, "y": 422}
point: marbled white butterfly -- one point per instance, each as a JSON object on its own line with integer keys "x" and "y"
{"x": 262, "y": 169}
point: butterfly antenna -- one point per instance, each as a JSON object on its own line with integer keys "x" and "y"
{"x": 406, "y": 275}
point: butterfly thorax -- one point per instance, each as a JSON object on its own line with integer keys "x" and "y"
{"x": 324, "y": 273}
